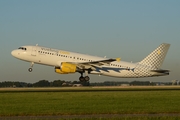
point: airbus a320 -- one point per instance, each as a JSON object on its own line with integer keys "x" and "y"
{"x": 65, "y": 62}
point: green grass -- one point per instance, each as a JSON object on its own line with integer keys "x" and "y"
{"x": 80, "y": 103}
{"x": 94, "y": 118}
{"x": 131, "y": 118}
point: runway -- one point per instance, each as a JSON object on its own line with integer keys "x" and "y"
{"x": 90, "y": 89}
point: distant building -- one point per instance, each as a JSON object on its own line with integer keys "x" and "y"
{"x": 125, "y": 84}
{"x": 77, "y": 85}
{"x": 66, "y": 84}
{"x": 175, "y": 82}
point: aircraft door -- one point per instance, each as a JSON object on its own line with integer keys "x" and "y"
{"x": 34, "y": 51}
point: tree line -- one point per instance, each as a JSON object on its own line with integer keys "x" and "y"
{"x": 41, "y": 83}
{"x": 62, "y": 83}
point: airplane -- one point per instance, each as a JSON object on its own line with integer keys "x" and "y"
{"x": 65, "y": 62}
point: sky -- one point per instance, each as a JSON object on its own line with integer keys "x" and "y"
{"x": 129, "y": 29}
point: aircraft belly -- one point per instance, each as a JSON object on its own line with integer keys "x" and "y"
{"x": 28, "y": 58}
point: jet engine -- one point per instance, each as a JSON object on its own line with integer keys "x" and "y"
{"x": 66, "y": 68}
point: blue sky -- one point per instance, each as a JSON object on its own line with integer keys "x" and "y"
{"x": 127, "y": 29}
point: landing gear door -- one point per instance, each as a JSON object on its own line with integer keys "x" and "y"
{"x": 34, "y": 51}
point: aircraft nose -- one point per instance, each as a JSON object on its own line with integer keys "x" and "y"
{"x": 14, "y": 53}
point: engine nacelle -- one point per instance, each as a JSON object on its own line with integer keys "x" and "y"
{"x": 66, "y": 68}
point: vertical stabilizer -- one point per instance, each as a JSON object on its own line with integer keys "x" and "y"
{"x": 156, "y": 58}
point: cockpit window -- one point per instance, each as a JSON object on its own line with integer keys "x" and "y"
{"x": 22, "y": 48}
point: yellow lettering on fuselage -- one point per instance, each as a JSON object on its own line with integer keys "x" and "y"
{"x": 64, "y": 52}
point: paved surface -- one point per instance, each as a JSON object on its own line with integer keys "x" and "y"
{"x": 86, "y": 116}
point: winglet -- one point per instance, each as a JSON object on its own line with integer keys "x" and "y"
{"x": 118, "y": 59}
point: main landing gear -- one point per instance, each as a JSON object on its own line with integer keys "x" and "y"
{"x": 30, "y": 69}
{"x": 84, "y": 79}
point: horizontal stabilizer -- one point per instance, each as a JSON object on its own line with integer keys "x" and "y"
{"x": 160, "y": 71}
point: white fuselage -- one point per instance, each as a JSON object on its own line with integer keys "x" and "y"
{"x": 54, "y": 57}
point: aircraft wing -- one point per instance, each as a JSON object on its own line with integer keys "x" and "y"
{"x": 101, "y": 62}
{"x": 87, "y": 65}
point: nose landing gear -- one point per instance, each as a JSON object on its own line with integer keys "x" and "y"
{"x": 30, "y": 69}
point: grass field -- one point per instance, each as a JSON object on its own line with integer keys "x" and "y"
{"x": 83, "y": 101}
